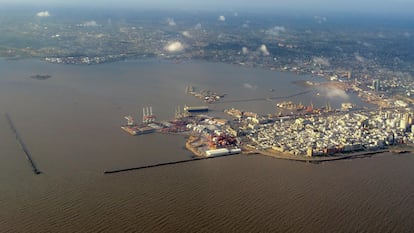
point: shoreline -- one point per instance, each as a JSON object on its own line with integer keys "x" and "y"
{"x": 188, "y": 145}
{"x": 398, "y": 149}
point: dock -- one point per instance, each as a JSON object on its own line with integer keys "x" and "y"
{"x": 23, "y": 146}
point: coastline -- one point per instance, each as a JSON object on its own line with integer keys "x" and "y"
{"x": 189, "y": 146}
{"x": 398, "y": 149}
{"x": 395, "y": 149}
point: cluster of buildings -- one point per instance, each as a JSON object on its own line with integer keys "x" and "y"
{"x": 84, "y": 60}
{"x": 214, "y": 137}
{"x": 335, "y": 133}
{"x": 215, "y": 131}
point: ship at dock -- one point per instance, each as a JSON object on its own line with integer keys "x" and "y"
{"x": 289, "y": 105}
{"x": 138, "y": 130}
{"x": 150, "y": 125}
{"x": 196, "y": 109}
{"x": 206, "y": 95}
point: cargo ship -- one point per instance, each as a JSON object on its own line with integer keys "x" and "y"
{"x": 289, "y": 105}
{"x": 41, "y": 76}
{"x": 222, "y": 152}
{"x": 134, "y": 130}
{"x": 196, "y": 109}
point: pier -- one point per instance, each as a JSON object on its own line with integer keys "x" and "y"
{"x": 272, "y": 98}
{"x": 164, "y": 164}
{"x": 22, "y": 145}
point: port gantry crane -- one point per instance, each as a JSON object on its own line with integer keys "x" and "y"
{"x": 147, "y": 116}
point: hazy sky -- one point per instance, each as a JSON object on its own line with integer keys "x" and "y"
{"x": 383, "y": 6}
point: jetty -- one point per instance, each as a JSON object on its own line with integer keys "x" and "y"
{"x": 22, "y": 145}
{"x": 165, "y": 164}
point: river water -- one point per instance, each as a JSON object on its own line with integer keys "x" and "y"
{"x": 70, "y": 123}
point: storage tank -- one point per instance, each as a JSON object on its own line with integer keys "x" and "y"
{"x": 217, "y": 152}
{"x": 235, "y": 151}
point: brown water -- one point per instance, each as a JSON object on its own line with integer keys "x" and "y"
{"x": 70, "y": 123}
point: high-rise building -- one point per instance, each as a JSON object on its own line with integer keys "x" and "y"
{"x": 376, "y": 84}
{"x": 309, "y": 152}
{"x": 405, "y": 121}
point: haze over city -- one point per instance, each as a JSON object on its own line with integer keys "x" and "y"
{"x": 299, "y": 6}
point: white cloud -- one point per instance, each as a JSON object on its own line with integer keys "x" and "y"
{"x": 249, "y": 86}
{"x": 359, "y": 58}
{"x": 381, "y": 35}
{"x": 171, "y": 22}
{"x": 264, "y": 50}
{"x": 187, "y": 34}
{"x": 275, "y": 31}
{"x": 320, "y": 19}
{"x": 91, "y": 23}
{"x": 366, "y": 44}
{"x": 335, "y": 93}
{"x": 321, "y": 61}
{"x": 174, "y": 47}
{"x": 245, "y": 51}
{"x": 43, "y": 14}
{"x": 197, "y": 26}
{"x": 222, "y": 18}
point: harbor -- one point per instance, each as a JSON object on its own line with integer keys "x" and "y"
{"x": 308, "y": 133}
{"x": 206, "y": 136}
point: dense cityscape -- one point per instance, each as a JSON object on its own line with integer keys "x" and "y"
{"x": 307, "y": 132}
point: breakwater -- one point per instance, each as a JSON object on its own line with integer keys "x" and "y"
{"x": 165, "y": 164}
{"x": 22, "y": 145}
{"x": 266, "y": 98}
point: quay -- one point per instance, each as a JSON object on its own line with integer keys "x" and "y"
{"x": 22, "y": 145}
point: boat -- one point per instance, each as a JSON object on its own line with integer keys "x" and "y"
{"x": 138, "y": 130}
{"x": 41, "y": 76}
{"x": 196, "y": 108}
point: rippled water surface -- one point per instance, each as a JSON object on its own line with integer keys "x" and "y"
{"x": 70, "y": 123}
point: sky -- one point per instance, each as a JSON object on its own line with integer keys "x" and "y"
{"x": 378, "y": 6}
